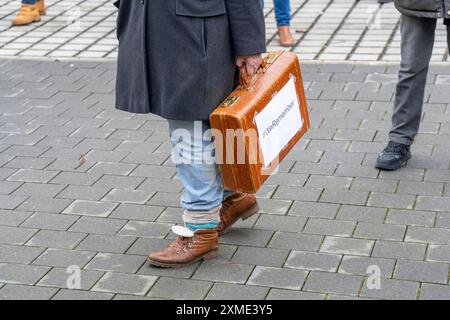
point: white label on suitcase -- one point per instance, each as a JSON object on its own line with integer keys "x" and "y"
{"x": 279, "y": 122}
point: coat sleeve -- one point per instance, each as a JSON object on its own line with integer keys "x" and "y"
{"x": 247, "y": 26}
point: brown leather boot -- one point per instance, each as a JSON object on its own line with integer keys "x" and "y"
{"x": 187, "y": 249}
{"x": 28, "y": 13}
{"x": 286, "y": 38}
{"x": 41, "y": 7}
{"x": 235, "y": 207}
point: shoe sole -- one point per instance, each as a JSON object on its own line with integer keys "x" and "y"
{"x": 247, "y": 214}
{"x": 25, "y": 24}
{"x": 384, "y": 166}
{"x": 207, "y": 256}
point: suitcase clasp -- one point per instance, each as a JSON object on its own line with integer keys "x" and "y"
{"x": 230, "y": 101}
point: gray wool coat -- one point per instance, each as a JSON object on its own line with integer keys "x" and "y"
{"x": 177, "y": 57}
{"x": 424, "y": 8}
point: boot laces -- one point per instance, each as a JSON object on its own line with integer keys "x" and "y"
{"x": 24, "y": 10}
{"x": 393, "y": 147}
{"x": 183, "y": 244}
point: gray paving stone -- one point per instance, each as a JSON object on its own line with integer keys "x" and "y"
{"x": 21, "y": 292}
{"x": 13, "y": 218}
{"x": 333, "y": 283}
{"x": 83, "y": 193}
{"x": 296, "y": 193}
{"x": 145, "y": 229}
{"x": 278, "y": 277}
{"x": 38, "y": 189}
{"x": 434, "y": 292}
{"x": 363, "y": 214}
{"x": 313, "y": 209}
{"x": 178, "y": 273}
{"x": 90, "y": 208}
{"x": 344, "y": 197}
{"x": 392, "y": 290}
{"x": 374, "y": 185}
{"x": 138, "y": 212}
{"x": 18, "y": 254}
{"x": 125, "y": 283}
{"x": 229, "y": 291}
{"x": 49, "y": 221}
{"x": 15, "y": 236}
{"x": 56, "y": 239}
{"x": 81, "y": 295}
{"x": 359, "y": 265}
{"x": 128, "y": 196}
{"x": 313, "y": 261}
{"x": 11, "y": 202}
{"x": 44, "y": 204}
{"x": 223, "y": 272}
{"x": 296, "y": 241}
{"x": 59, "y": 278}
{"x": 438, "y": 253}
{"x": 329, "y": 227}
{"x": 386, "y": 200}
{"x": 434, "y": 272}
{"x": 360, "y": 247}
{"x": 421, "y": 188}
{"x": 31, "y": 175}
{"x": 399, "y": 250}
{"x": 260, "y": 256}
{"x": 281, "y": 294}
{"x": 169, "y": 288}
{"x": 63, "y": 258}
{"x": 116, "y": 263}
{"x": 411, "y": 218}
{"x": 379, "y": 231}
{"x": 21, "y": 274}
{"x": 106, "y": 243}
{"x": 258, "y": 238}
{"x": 280, "y": 223}
{"x": 95, "y": 225}
{"x": 428, "y": 235}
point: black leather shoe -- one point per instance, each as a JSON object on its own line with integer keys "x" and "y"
{"x": 394, "y": 156}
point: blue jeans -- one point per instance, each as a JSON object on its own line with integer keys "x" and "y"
{"x": 282, "y": 12}
{"x": 193, "y": 153}
{"x": 29, "y": 1}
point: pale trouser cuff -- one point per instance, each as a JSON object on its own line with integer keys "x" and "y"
{"x": 201, "y": 217}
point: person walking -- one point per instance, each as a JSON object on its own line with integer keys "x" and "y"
{"x": 178, "y": 59}
{"x": 418, "y": 26}
{"x": 283, "y": 19}
{"x": 30, "y": 11}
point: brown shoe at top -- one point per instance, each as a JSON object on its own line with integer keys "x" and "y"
{"x": 187, "y": 248}
{"x": 235, "y": 207}
{"x": 41, "y": 7}
{"x": 28, "y": 13}
{"x": 286, "y": 38}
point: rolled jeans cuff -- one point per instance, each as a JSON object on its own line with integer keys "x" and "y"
{"x": 201, "y": 217}
{"x": 405, "y": 141}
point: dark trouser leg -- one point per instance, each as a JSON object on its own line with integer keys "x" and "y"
{"x": 417, "y": 47}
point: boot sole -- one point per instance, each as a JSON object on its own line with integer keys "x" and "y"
{"x": 387, "y": 167}
{"x": 25, "y": 24}
{"x": 246, "y": 215}
{"x": 207, "y": 256}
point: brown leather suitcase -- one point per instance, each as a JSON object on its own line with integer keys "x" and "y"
{"x": 258, "y": 124}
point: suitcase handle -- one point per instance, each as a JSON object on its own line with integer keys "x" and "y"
{"x": 245, "y": 81}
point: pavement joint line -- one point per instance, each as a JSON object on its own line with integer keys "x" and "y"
{"x": 338, "y": 28}
{"x": 363, "y": 34}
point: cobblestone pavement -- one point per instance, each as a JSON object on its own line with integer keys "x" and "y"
{"x": 326, "y": 217}
{"x": 332, "y": 30}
